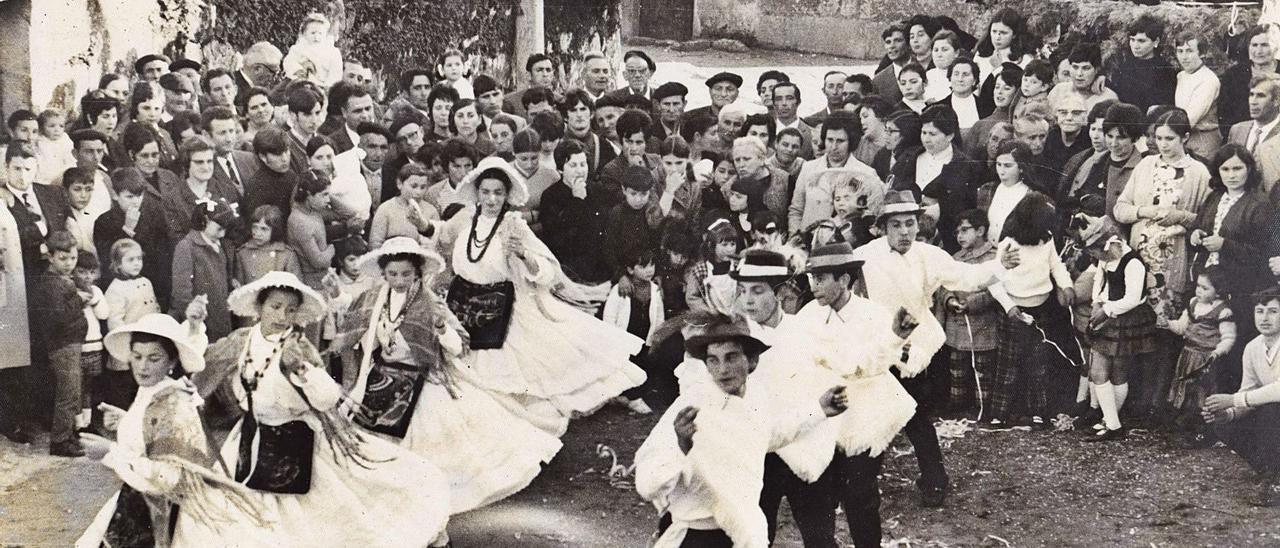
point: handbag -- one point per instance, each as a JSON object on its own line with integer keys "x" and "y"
{"x": 484, "y": 310}
{"x": 390, "y": 397}
{"x": 284, "y": 459}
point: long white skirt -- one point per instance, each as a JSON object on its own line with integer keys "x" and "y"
{"x": 568, "y": 363}
{"x": 485, "y": 449}
{"x": 401, "y": 500}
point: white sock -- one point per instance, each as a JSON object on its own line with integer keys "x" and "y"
{"x": 1122, "y": 394}
{"x": 1107, "y": 401}
{"x": 1082, "y": 390}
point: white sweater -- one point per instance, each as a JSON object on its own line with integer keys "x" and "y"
{"x": 1033, "y": 279}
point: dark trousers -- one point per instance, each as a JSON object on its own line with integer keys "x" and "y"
{"x": 65, "y": 364}
{"x": 698, "y": 538}
{"x": 15, "y": 398}
{"x": 1256, "y": 438}
{"x": 930, "y": 391}
{"x": 857, "y": 484}
{"x": 813, "y": 505}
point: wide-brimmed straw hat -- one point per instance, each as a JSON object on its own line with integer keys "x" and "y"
{"x": 244, "y": 301}
{"x": 720, "y": 328}
{"x": 516, "y": 197}
{"x": 759, "y": 265}
{"x": 836, "y": 258}
{"x": 432, "y": 263}
{"x": 119, "y": 340}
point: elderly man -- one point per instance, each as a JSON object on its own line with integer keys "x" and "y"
{"x": 259, "y": 68}
{"x": 637, "y": 68}
{"x": 178, "y": 93}
{"x": 723, "y": 88}
{"x": 669, "y": 101}
{"x": 150, "y": 67}
{"x": 597, "y": 75}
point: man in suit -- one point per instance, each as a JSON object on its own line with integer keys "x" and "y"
{"x": 1261, "y": 135}
{"x": 542, "y": 73}
{"x": 898, "y": 55}
{"x": 39, "y": 210}
{"x": 669, "y": 100}
{"x": 723, "y": 88}
{"x": 638, "y": 68}
{"x": 220, "y": 89}
{"x": 833, "y": 89}
{"x": 786, "y": 103}
{"x": 233, "y": 168}
{"x": 597, "y": 75}
{"x": 305, "y": 116}
{"x": 356, "y": 107}
{"x": 259, "y": 68}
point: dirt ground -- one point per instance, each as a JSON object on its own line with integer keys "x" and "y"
{"x": 1020, "y": 488}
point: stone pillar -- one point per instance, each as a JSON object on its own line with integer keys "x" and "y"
{"x": 530, "y": 39}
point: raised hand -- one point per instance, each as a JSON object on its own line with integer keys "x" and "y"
{"x": 685, "y": 428}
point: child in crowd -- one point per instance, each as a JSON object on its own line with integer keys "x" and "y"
{"x": 129, "y": 296}
{"x": 639, "y": 314}
{"x": 677, "y": 249}
{"x": 314, "y": 56}
{"x": 1209, "y": 331}
{"x": 125, "y": 221}
{"x": 79, "y": 186}
{"x": 409, "y": 214}
{"x": 708, "y": 286}
{"x": 1037, "y": 80}
{"x": 201, "y": 267}
{"x": 1035, "y": 331}
{"x": 971, "y": 320}
{"x": 347, "y": 282}
{"x": 1122, "y": 326}
{"x": 92, "y": 354}
{"x": 627, "y": 226}
{"x": 453, "y": 71}
{"x": 850, "y": 221}
{"x": 55, "y": 150}
{"x": 265, "y": 251}
{"x": 62, "y": 329}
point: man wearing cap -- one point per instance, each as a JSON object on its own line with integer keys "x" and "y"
{"x": 150, "y": 67}
{"x": 813, "y": 196}
{"x": 637, "y": 68}
{"x": 178, "y": 93}
{"x": 786, "y": 108}
{"x": 900, "y": 272}
{"x": 723, "y": 88}
{"x": 597, "y": 76}
{"x": 608, "y": 109}
{"x": 192, "y": 70}
{"x": 703, "y": 463}
{"x": 259, "y": 67}
{"x": 542, "y": 73}
{"x": 669, "y": 101}
{"x": 857, "y": 342}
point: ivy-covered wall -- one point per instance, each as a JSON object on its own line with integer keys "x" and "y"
{"x": 394, "y": 35}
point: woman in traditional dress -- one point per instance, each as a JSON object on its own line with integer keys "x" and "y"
{"x": 322, "y": 481}
{"x": 173, "y": 494}
{"x": 552, "y": 358}
{"x": 411, "y": 391}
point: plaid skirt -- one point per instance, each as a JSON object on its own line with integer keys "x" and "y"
{"x": 1130, "y": 334}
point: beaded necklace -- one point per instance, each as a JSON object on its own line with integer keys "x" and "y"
{"x": 251, "y": 365}
{"x": 391, "y": 323}
{"x": 475, "y": 242}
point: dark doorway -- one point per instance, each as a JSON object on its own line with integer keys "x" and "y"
{"x": 666, "y": 19}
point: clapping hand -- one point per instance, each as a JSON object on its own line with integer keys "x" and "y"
{"x": 904, "y": 323}
{"x": 685, "y": 428}
{"x": 834, "y": 401}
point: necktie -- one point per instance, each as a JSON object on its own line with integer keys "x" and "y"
{"x": 230, "y": 166}
{"x": 1255, "y": 138}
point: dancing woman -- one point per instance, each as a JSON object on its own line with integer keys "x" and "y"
{"x": 551, "y": 357}
{"x": 411, "y": 391}
{"x": 173, "y": 492}
{"x": 322, "y": 481}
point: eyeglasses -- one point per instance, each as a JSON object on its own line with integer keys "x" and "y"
{"x": 635, "y": 72}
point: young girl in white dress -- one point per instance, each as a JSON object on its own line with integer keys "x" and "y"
{"x": 555, "y": 360}
{"x": 406, "y": 377}
{"x": 322, "y": 481}
{"x": 314, "y": 56}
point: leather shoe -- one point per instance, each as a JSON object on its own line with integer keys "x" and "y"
{"x": 932, "y": 497}
{"x": 68, "y": 448}
{"x": 1106, "y": 435}
{"x": 17, "y": 434}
